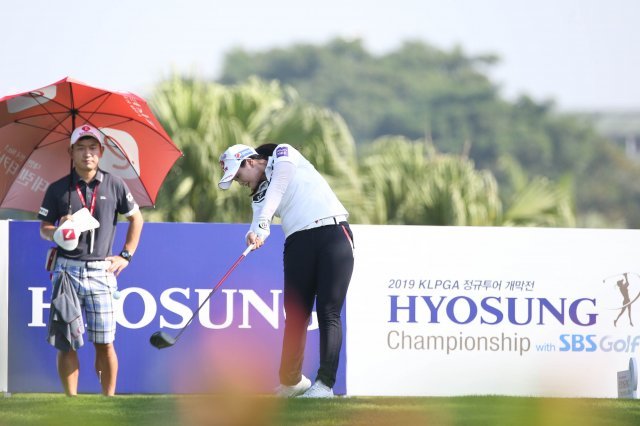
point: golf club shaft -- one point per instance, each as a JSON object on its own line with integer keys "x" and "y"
{"x": 619, "y": 275}
{"x": 223, "y": 279}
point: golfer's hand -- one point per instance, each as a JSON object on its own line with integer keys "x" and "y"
{"x": 252, "y": 238}
{"x": 63, "y": 219}
{"x": 117, "y": 264}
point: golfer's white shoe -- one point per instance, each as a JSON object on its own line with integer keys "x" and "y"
{"x": 298, "y": 389}
{"x": 318, "y": 390}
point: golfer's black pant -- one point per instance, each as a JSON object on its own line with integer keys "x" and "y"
{"x": 318, "y": 264}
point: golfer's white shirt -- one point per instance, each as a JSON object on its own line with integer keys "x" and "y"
{"x": 307, "y": 197}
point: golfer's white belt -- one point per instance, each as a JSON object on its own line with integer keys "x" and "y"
{"x": 333, "y": 220}
{"x": 89, "y": 264}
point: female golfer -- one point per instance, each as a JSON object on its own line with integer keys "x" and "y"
{"x": 318, "y": 253}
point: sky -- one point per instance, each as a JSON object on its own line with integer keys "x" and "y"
{"x": 581, "y": 54}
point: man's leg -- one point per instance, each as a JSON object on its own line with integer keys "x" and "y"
{"x": 68, "y": 370}
{"x": 101, "y": 326}
{"x": 107, "y": 367}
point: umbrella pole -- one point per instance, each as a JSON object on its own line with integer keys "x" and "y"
{"x": 74, "y": 111}
{"x": 70, "y": 183}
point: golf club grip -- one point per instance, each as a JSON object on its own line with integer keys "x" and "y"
{"x": 237, "y": 262}
{"x": 248, "y": 250}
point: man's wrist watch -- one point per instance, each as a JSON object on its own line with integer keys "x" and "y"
{"x": 126, "y": 255}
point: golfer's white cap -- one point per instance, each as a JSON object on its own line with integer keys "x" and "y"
{"x": 84, "y": 221}
{"x": 67, "y": 236}
{"x": 84, "y": 131}
{"x": 230, "y": 161}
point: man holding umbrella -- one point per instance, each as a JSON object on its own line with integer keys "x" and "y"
{"x": 85, "y": 262}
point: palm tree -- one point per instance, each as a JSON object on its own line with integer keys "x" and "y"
{"x": 537, "y": 201}
{"x": 206, "y": 118}
{"x": 397, "y": 181}
{"x": 410, "y": 183}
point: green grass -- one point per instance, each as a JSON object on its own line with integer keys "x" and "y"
{"x": 160, "y": 410}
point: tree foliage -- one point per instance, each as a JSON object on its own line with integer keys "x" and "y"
{"x": 393, "y": 181}
{"x": 421, "y": 92}
{"x": 205, "y": 118}
{"x": 411, "y": 183}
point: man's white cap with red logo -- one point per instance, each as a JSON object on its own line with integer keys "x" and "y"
{"x": 68, "y": 234}
{"x": 87, "y": 131}
{"x": 84, "y": 221}
{"x": 230, "y": 161}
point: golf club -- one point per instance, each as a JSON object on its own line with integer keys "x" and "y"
{"x": 604, "y": 280}
{"x": 161, "y": 340}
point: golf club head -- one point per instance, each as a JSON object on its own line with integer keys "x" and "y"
{"x": 161, "y": 340}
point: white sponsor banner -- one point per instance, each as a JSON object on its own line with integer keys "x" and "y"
{"x": 439, "y": 311}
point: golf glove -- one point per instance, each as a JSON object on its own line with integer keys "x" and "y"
{"x": 262, "y": 228}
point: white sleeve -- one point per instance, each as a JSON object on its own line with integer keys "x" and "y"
{"x": 282, "y": 174}
{"x": 257, "y": 204}
{"x": 266, "y": 201}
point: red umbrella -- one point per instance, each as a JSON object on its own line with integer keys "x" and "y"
{"x": 35, "y": 128}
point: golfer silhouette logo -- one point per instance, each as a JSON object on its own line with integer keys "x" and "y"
{"x": 623, "y": 286}
{"x": 619, "y": 294}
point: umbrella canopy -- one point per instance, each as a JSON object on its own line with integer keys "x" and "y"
{"x": 35, "y": 131}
